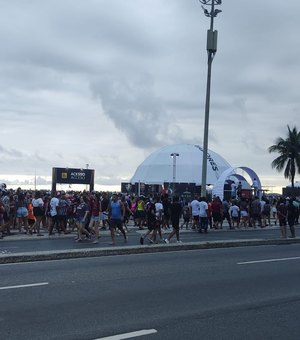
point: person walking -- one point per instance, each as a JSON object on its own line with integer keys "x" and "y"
{"x": 291, "y": 216}
{"x": 151, "y": 222}
{"x": 225, "y": 213}
{"x": 116, "y": 213}
{"x": 194, "y": 212}
{"x": 82, "y": 213}
{"x": 281, "y": 214}
{"x": 203, "y": 215}
{"x": 140, "y": 213}
{"x": 22, "y": 212}
{"x": 38, "y": 212}
{"x": 95, "y": 208}
{"x": 216, "y": 207}
{"x": 234, "y": 213}
{"x": 175, "y": 213}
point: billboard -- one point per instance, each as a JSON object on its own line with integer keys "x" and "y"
{"x": 72, "y": 176}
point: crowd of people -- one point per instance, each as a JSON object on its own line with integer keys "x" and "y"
{"x": 240, "y": 212}
{"x": 87, "y": 213}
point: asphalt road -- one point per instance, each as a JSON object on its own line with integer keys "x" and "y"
{"x": 233, "y": 293}
{"x": 23, "y": 244}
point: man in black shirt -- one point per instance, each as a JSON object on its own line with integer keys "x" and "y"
{"x": 104, "y": 210}
{"x": 175, "y": 213}
{"x": 291, "y": 216}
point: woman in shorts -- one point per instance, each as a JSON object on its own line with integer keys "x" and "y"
{"x": 82, "y": 212}
{"x": 22, "y": 212}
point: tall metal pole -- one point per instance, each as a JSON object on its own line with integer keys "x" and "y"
{"x": 86, "y": 187}
{"x": 174, "y": 155}
{"x": 211, "y": 51}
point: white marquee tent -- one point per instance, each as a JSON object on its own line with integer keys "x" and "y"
{"x": 158, "y": 168}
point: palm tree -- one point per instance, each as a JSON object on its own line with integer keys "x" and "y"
{"x": 289, "y": 151}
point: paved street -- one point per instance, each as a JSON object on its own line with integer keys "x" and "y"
{"x": 233, "y": 293}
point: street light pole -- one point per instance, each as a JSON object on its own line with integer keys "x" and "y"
{"x": 174, "y": 155}
{"x": 211, "y": 47}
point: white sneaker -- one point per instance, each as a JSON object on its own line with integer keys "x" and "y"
{"x": 166, "y": 240}
{"x": 179, "y": 242}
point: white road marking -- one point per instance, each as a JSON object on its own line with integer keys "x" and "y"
{"x": 25, "y": 286}
{"x": 130, "y": 335}
{"x": 271, "y": 260}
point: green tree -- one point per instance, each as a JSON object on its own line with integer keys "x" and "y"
{"x": 289, "y": 154}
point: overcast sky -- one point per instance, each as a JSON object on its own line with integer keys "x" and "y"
{"x": 107, "y": 82}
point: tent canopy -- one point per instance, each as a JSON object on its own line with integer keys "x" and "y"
{"x": 159, "y": 167}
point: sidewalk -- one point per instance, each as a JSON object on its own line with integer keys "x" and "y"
{"x": 19, "y": 247}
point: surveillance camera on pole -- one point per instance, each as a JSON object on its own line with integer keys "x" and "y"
{"x": 211, "y": 47}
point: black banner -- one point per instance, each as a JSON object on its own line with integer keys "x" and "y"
{"x": 73, "y": 176}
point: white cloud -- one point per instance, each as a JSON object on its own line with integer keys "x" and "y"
{"x": 106, "y": 82}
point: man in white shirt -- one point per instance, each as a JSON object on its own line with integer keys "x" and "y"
{"x": 194, "y": 212}
{"x": 203, "y": 215}
{"x": 234, "y": 213}
{"x": 54, "y": 202}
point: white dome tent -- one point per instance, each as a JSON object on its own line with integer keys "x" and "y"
{"x": 158, "y": 168}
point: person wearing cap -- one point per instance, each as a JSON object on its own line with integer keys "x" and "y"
{"x": 116, "y": 213}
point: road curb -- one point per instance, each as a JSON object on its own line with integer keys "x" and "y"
{"x": 83, "y": 253}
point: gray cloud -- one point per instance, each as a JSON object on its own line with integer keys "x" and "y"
{"x": 10, "y": 152}
{"x": 136, "y": 110}
{"x": 107, "y": 82}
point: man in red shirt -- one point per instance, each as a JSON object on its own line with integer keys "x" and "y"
{"x": 216, "y": 207}
{"x": 95, "y": 208}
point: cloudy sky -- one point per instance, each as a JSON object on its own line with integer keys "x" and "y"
{"x": 107, "y": 82}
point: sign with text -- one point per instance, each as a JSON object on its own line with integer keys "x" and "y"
{"x": 73, "y": 176}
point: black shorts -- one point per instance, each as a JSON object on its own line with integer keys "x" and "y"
{"x": 255, "y": 216}
{"x": 31, "y": 221}
{"x": 38, "y": 211}
{"x": 217, "y": 217}
{"x": 152, "y": 224}
{"x": 282, "y": 222}
{"x": 196, "y": 218}
{"x": 115, "y": 223}
{"x": 175, "y": 224}
{"x": 140, "y": 214}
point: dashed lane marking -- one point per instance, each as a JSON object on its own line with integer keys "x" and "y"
{"x": 25, "y": 286}
{"x": 271, "y": 260}
{"x": 130, "y": 335}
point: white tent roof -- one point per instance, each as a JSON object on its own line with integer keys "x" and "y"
{"x": 158, "y": 167}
